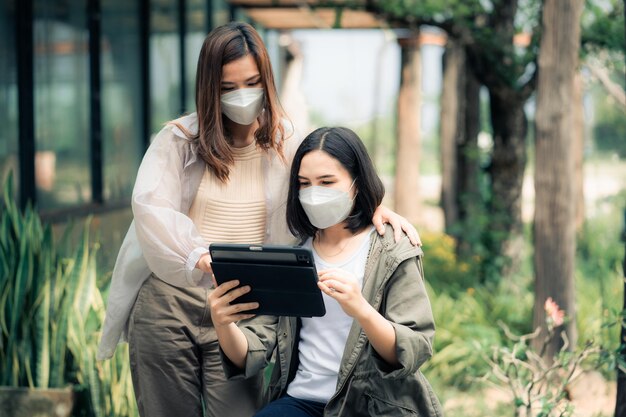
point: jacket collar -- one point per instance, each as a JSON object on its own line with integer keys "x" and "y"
{"x": 188, "y": 122}
{"x": 392, "y": 253}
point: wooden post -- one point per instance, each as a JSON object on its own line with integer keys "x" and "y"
{"x": 409, "y": 107}
{"x": 451, "y": 127}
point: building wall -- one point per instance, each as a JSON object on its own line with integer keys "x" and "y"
{"x": 97, "y": 80}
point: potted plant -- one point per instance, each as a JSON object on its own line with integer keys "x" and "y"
{"x": 39, "y": 293}
{"x": 51, "y": 315}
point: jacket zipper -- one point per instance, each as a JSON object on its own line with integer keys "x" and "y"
{"x": 345, "y": 399}
{"x": 369, "y": 265}
{"x": 349, "y": 373}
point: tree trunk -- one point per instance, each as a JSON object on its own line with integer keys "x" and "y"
{"x": 469, "y": 199}
{"x": 460, "y": 125}
{"x": 408, "y": 151}
{"x": 492, "y": 62}
{"x": 554, "y": 237}
{"x": 451, "y": 124}
{"x": 506, "y": 171}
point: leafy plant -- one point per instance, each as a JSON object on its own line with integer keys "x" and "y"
{"x": 445, "y": 271}
{"x": 538, "y": 382}
{"x": 37, "y": 293}
{"x": 465, "y": 320}
{"x": 466, "y": 312}
{"x": 51, "y": 313}
{"x": 107, "y": 384}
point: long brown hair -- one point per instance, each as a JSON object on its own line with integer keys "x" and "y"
{"x": 225, "y": 44}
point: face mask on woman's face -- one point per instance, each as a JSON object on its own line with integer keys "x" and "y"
{"x": 244, "y": 105}
{"x": 326, "y": 207}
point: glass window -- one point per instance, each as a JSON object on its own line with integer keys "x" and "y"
{"x": 221, "y": 14}
{"x": 196, "y": 32}
{"x": 62, "y": 167}
{"x": 8, "y": 94}
{"x": 121, "y": 97}
{"x": 165, "y": 77}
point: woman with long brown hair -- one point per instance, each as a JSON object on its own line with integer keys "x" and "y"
{"x": 218, "y": 175}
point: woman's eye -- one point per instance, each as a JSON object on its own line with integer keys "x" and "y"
{"x": 304, "y": 184}
{"x": 252, "y": 84}
{"x": 225, "y": 89}
{"x": 327, "y": 182}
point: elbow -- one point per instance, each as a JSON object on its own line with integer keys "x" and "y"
{"x": 413, "y": 349}
{"x": 425, "y": 352}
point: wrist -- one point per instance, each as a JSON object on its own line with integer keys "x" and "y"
{"x": 204, "y": 263}
{"x": 193, "y": 260}
{"x": 223, "y": 330}
{"x": 366, "y": 314}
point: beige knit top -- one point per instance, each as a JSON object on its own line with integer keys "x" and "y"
{"x": 234, "y": 211}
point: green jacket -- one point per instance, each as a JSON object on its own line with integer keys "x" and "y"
{"x": 366, "y": 385}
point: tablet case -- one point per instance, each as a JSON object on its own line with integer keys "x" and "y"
{"x": 283, "y": 279}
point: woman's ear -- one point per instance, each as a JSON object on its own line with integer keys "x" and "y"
{"x": 356, "y": 188}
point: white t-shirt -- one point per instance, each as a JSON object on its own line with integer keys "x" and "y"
{"x": 322, "y": 339}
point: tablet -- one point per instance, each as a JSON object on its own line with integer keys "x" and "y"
{"x": 283, "y": 279}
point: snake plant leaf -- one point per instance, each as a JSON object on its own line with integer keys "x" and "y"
{"x": 58, "y": 348}
{"x": 23, "y": 277}
{"x": 43, "y": 318}
{"x": 42, "y": 323}
{"x": 85, "y": 278}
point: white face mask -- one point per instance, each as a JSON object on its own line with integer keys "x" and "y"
{"x": 325, "y": 206}
{"x": 244, "y": 105}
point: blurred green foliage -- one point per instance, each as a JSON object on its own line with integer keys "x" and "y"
{"x": 467, "y": 312}
{"x": 600, "y": 288}
{"x": 603, "y": 25}
{"x": 52, "y": 312}
{"x": 609, "y": 130}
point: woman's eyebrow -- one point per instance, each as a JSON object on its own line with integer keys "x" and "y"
{"x": 246, "y": 81}
{"x": 326, "y": 176}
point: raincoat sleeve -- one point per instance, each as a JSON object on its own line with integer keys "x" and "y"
{"x": 260, "y": 332}
{"x": 169, "y": 240}
{"x": 408, "y": 309}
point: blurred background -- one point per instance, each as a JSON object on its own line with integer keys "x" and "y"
{"x": 498, "y": 128}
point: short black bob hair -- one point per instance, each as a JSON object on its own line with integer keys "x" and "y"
{"x": 345, "y": 146}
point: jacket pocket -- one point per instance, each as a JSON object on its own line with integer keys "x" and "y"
{"x": 377, "y": 406}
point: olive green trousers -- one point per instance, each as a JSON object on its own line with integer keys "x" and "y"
{"x": 175, "y": 361}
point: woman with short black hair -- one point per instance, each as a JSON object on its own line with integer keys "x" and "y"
{"x": 346, "y": 147}
{"x": 363, "y": 356}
